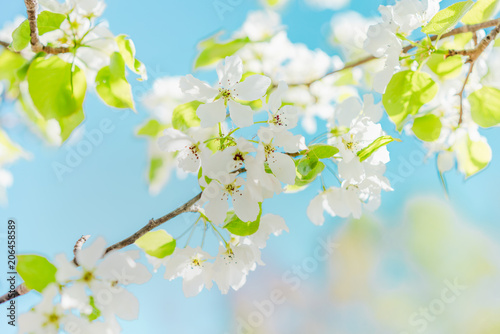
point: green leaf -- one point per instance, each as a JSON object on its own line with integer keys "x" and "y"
{"x": 322, "y": 151}
{"x": 485, "y": 106}
{"x": 427, "y": 128}
{"x": 184, "y": 116}
{"x": 307, "y": 164}
{"x": 70, "y": 123}
{"x": 127, "y": 50}
{"x": 112, "y": 85}
{"x": 10, "y": 64}
{"x": 21, "y": 36}
{"x": 46, "y": 22}
{"x": 151, "y": 128}
{"x": 482, "y": 11}
{"x": 238, "y": 227}
{"x": 154, "y": 166}
{"x": 307, "y": 170}
{"x": 374, "y": 146}
{"x": 213, "y": 51}
{"x": 157, "y": 243}
{"x": 49, "y": 21}
{"x": 472, "y": 156}
{"x": 446, "y": 68}
{"x": 56, "y": 91}
{"x": 447, "y": 18}
{"x": 406, "y": 93}
{"x": 36, "y": 271}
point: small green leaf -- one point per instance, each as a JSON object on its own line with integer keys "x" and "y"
{"x": 485, "y": 106}
{"x": 322, "y": 151}
{"x": 406, "y": 93}
{"x": 157, "y": 243}
{"x": 127, "y": 50}
{"x": 472, "y": 156}
{"x": 427, "y": 128}
{"x": 373, "y": 147}
{"x": 112, "y": 85}
{"x": 447, "y": 18}
{"x": 151, "y": 128}
{"x": 482, "y": 11}
{"x": 184, "y": 116}
{"x": 21, "y": 36}
{"x": 238, "y": 227}
{"x": 213, "y": 51}
{"x": 49, "y": 21}
{"x": 56, "y": 91}
{"x": 307, "y": 170}
{"x": 154, "y": 166}
{"x": 446, "y": 68}
{"x": 307, "y": 164}
{"x": 36, "y": 271}
{"x": 46, "y": 22}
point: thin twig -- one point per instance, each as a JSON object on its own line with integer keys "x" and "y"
{"x": 20, "y": 290}
{"x": 461, "y": 94}
{"x": 4, "y": 44}
{"x": 36, "y": 45}
{"x": 153, "y": 223}
{"x": 78, "y": 247}
{"x": 474, "y": 53}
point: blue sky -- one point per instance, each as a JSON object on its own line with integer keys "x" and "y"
{"x": 106, "y": 194}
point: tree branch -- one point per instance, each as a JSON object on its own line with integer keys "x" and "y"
{"x": 20, "y": 290}
{"x": 153, "y": 223}
{"x": 406, "y": 49}
{"x": 4, "y": 44}
{"x": 36, "y": 45}
{"x": 473, "y": 54}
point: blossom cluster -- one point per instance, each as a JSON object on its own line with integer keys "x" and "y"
{"x": 88, "y": 298}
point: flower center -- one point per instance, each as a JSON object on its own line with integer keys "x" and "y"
{"x": 88, "y": 276}
{"x": 268, "y": 149}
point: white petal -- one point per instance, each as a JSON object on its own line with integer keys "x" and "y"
{"x": 65, "y": 270}
{"x": 241, "y": 115}
{"x": 275, "y": 97}
{"x": 125, "y": 305}
{"x": 174, "y": 140}
{"x": 88, "y": 256}
{"x": 290, "y": 143}
{"x": 315, "y": 210}
{"x": 254, "y": 87}
{"x": 282, "y": 166}
{"x": 211, "y": 113}
{"x": 230, "y": 71}
{"x": 445, "y": 161}
{"x": 245, "y": 207}
{"x": 189, "y": 161}
{"x": 217, "y": 205}
{"x": 197, "y": 89}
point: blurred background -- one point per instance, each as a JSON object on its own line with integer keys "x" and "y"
{"x": 422, "y": 263}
